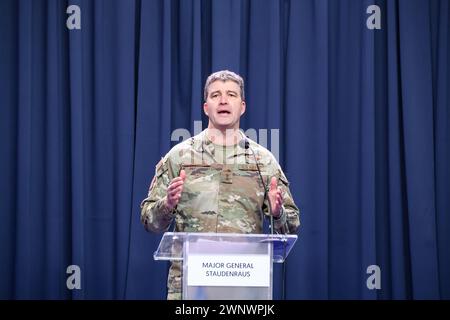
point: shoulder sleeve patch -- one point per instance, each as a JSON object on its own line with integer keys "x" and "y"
{"x": 282, "y": 177}
{"x": 161, "y": 167}
{"x": 152, "y": 183}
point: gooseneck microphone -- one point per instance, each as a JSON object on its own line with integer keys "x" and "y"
{"x": 245, "y": 143}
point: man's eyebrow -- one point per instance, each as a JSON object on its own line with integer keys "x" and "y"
{"x": 218, "y": 91}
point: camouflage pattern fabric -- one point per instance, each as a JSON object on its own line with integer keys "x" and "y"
{"x": 217, "y": 197}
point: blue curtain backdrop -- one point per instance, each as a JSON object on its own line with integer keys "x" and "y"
{"x": 364, "y": 130}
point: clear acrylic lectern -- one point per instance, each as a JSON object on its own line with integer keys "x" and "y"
{"x": 225, "y": 266}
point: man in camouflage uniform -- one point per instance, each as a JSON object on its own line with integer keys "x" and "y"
{"x": 219, "y": 180}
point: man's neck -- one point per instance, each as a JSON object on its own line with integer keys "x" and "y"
{"x": 226, "y": 137}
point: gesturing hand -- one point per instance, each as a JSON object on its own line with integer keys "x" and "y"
{"x": 174, "y": 190}
{"x": 275, "y": 197}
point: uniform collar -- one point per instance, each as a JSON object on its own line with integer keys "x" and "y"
{"x": 203, "y": 144}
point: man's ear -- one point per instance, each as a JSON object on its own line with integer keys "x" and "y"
{"x": 243, "y": 108}
{"x": 205, "y": 108}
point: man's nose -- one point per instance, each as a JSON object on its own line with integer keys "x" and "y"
{"x": 223, "y": 99}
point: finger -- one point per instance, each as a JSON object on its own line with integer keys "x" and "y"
{"x": 176, "y": 184}
{"x": 172, "y": 191}
{"x": 276, "y": 200}
{"x": 175, "y": 191}
{"x": 172, "y": 195}
{"x": 279, "y": 196}
{"x": 273, "y": 183}
{"x": 183, "y": 175}
{"x": 177, "y": 179}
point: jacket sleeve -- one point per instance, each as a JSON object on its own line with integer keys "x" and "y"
{"x": 155, "y": 216}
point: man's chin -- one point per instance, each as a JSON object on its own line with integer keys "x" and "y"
{"x": 223, "y": 127}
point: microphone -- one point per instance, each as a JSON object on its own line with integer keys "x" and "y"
{"x": 244, "y": 143}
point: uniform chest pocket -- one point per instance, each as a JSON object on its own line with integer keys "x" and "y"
{"x": 247, "y": 181}
{"x": 200, "y": 190}
{"x": 250, "y": 171}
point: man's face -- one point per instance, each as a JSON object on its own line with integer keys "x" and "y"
{"x": 224, "y": 105}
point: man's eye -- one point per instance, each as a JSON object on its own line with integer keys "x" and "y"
{"x": 232, "y": 94}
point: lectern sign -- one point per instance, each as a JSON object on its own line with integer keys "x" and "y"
{"x": 249, "y": 270}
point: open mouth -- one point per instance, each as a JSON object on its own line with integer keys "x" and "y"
{"x": 224, "y": 112}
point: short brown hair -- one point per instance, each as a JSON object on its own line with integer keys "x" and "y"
{"x": 224, "y": 75}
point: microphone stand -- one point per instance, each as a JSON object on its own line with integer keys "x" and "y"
{"x": 247, "y": 146}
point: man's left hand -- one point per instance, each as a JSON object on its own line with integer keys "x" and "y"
{"x": 275, "y": 197}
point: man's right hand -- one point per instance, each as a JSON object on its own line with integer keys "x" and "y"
{"x": 174, "y": 190}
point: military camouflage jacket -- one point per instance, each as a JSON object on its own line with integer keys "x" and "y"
{"x": 225, "y": 195}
